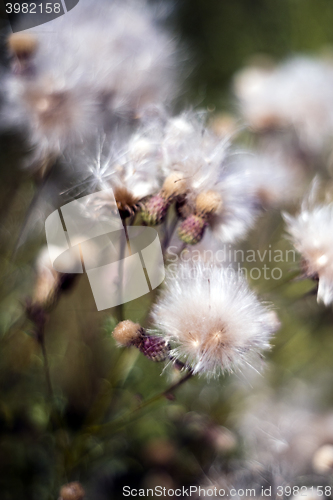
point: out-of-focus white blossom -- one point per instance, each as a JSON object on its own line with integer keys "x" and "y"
{"x": 275, "y": 178}
{"x": 215, "y": 322}
{"x": 323, "y": 459}
{"x": 131, "y": 167}
{"x": 138, "y": 171}
{"x": 297, "y": 93}
{"x": 285, "y": 443}
{"x": 286, "y": 435}
{"x": 311, "y": 232}
{"x": 100, "y": 62}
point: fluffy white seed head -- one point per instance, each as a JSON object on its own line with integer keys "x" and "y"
{"x": 201, "y": 157}
{"x": 213, "y": 320}
{"x": 190, "y": 148}
{"x": 311, "y": 232}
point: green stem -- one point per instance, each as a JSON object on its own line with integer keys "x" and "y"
{"x": 119, "y": 423}
{"x": 169, "y": 231}
{"x": 119, "y": 309}
{"x": 46, "y": 367}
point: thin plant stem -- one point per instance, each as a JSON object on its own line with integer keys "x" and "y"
{"x": 119, "y": 309}
{"x": 46, "y": 367}
{"x": 123, "y": 420}
{"x": 169, "y": 231}
{"x": 127, "y": 237}
{"x": 130, "y": 417}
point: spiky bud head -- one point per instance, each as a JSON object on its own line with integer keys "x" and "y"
{"x": 153, "y": 347}
{"x": 155, "y": 210}
{"x": 72, "y": 491}
{"x": 174, "y": 185}
{"x": 23, "y": 45}
{"x": 192, "y": 229}
{"x": 208, "y": 203}
{"x": 130, "y": 334}
{"x": 127, "y": 333}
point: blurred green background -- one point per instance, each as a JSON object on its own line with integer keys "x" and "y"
{"x": 225, "y": 35}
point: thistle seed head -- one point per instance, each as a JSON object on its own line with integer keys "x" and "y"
{"x": 212, "y": 319}
{"x": 192, "y": 229}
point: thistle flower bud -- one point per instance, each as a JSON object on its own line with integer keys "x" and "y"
{"x": 192, "y": 229}
{"x": 157, "y": 206}
{"x": 174, "y": 185}
{"x": 127, "y": 203}
{"x": 155, "y": 210}
{"x": 130, "y": 334}
{"x": 23, "y": 45}
{"x": 72, "y": 491}
{"x": 208, "y": 203}
{"x": 153, "y": 347}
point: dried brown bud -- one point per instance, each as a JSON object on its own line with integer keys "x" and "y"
{"x": 208, "y": 203}
{"x": 127, "y": 203}
{"x": 23, "y": 45}
{"x": 72, "y": 491}
{"x": 174, "y": 185}
{"x": 127, "y": 332}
